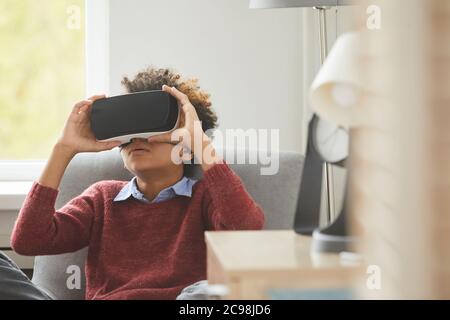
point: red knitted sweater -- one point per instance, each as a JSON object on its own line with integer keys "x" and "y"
{"x": 136, "y": 250}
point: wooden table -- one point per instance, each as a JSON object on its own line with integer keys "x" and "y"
{"x": 250, "y": 263}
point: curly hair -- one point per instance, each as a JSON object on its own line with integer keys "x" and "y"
{"x": 154, "y": 78}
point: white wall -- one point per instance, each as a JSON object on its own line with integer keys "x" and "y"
{"x": 249, "y": 60}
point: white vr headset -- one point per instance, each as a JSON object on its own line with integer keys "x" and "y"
{"x": 136, "y": 115}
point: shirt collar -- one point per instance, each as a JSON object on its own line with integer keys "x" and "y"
{"x": 182, "y": 187}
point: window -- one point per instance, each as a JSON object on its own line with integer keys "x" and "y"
{"x": 42, "y": 74}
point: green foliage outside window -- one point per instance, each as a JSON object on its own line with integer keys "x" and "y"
{"x": 41, "y": 73}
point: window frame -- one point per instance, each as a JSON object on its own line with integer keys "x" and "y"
{"x": 96, "y": 19}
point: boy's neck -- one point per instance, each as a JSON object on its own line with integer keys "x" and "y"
{"x": 151, "y": 183}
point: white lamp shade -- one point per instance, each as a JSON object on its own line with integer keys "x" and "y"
{"x": 336, "y": 91}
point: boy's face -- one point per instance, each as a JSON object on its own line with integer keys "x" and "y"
{"x": 141, "y": 155}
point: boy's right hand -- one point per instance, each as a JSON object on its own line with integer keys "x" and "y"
{"x": 77, "y": 135}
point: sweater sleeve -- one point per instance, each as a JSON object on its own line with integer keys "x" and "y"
{"x": 40, "y": 230}
{"x": 228, "y": 205}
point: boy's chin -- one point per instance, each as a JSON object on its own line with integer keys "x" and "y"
{"x": 145, "y": 166}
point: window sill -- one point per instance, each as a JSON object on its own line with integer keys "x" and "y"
{"x": 13, "y": 193}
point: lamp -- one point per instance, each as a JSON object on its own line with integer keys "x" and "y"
{"x": 337, "y": 89}
{"x": 307, "y": 215}
{"x": 336, "y": 95}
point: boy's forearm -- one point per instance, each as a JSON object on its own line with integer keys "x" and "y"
{"x": 55, "y": 167}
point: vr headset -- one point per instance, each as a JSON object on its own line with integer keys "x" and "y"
{"x": 136, "y": 115}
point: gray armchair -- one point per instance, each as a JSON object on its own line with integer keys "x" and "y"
{"x": 276, "y": 194}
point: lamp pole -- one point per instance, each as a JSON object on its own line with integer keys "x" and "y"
{"x": 328, "y": 168}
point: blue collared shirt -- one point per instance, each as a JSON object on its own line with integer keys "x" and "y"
{"x": 181, "y": 188}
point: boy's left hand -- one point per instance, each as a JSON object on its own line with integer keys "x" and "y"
{"x": 189, "y": 131}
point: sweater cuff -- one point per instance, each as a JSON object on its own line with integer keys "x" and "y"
{"x": 45, "y": 195}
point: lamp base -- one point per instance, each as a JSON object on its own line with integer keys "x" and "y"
{"x": 333, "y": 238}
{"x": 331, "y": 243}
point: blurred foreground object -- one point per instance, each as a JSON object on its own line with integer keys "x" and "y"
{"x": 400, "y": 157}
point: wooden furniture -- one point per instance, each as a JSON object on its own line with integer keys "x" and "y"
{"x": 251, "y": 263}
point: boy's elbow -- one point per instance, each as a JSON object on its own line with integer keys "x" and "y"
{"x": 255, "y": 221}
{"x": 262, "y": 222}
{"x": 21, "y": 245}
{"x": 260, "y": 219}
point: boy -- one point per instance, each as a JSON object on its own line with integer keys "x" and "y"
{"x": 145, "y": 237}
